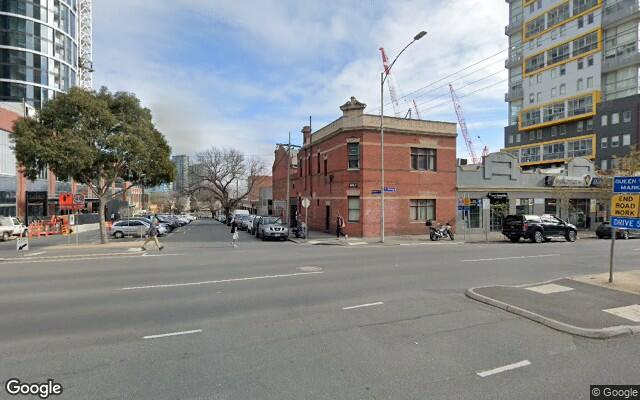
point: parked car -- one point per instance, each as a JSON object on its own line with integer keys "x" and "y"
{"x": 12, "y": 227}
{"x": 272, "y": 228}
{"x": 538, "y": 229}
{"x": 240, "y": 219}
{"x": 122, "y": 228}
{"x": 604, "y": 231}
{"x": 248, "y": 223}
{"x": 163, "y": 228}
{"x": 254, "y": 225}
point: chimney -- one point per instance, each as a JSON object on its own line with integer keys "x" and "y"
{"x": 306, "y": 134}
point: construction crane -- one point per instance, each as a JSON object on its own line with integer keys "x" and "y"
{"x": 392, "y": 89}
{"x": 85, "y": 59}
{"x": 463, "y": 127}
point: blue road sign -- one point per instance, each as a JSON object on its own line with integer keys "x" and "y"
{"x": 629, "y": 223}
{"x": 626, "y": 184}
{"x": 375, "y": 191}
{"x": 390, "y": 189}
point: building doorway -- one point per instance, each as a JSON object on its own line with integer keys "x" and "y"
{"x": 327, "y": 218}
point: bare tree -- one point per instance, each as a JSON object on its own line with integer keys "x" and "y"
{"x": 225, "y": 174}
{"x": 628, "y": 165}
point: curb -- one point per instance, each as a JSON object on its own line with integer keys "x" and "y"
{"x": 603, "y": 333}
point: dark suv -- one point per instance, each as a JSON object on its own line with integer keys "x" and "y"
{"x": 538, "y": 229}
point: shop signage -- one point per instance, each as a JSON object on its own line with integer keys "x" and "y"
{"x": 568, "y": 181}
{"x": 497, "y": 196}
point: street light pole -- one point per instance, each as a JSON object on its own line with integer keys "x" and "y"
{"x": 383, "y": 76}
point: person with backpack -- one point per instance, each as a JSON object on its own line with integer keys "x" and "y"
{"x": 234, "y": 233}
{"x": 340, "y": 225}
{"x": 152, "y": 234}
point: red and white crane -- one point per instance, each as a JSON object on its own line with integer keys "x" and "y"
{"x": 463, "y": 127}
{"x": 392, "y": 88}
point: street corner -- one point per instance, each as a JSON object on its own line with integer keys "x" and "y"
{"x": 569, "y": 306}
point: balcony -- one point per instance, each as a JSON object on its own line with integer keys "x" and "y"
{"x": 626, "y": 9}
{"x": 513, "y": 61}
{"x": 621, "y": 61}
{"x": 515, "y": 93}
{"x": 513, "y": 27}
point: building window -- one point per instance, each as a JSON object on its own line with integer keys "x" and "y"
{"x": 554, "y": 131}
{"x": 423, "y": 159}
{"x": 532, "y": 135}
{"x": 524, "y": 206}
{"x": 551, "y": 206}
{"x": 589, "y": 82}
{"x": 579, "y": 148}
{"x": 422, "y": 210}
{"x": 580, "y": 126}
{"x": 581, "y": 63}
{"x": 539, "y": 97}
{"x": 563, "y": 70}
{"x": 563, "y": 89}
{"x": 553, "y": 92}
{"x": 518, "y": 138}
{"x": 580, "y": 22}
{"x": 532, "y": 98}
{"x": 590, "y": 61}
{"x": 579, "y": 85}
{"x": 562, "y": 130}
{"x": 539, "y": 78}
{"x": 554, "y": 72}
{"x": 604, "y": 120}
{"x": 510, "y": 139}
{"x": 603, "y": 165}
{"x": 354, "y": 155}
{"x": 626, "y": 116}
{"x": 615, "y": 118}
{"x": 590, "y": 18}
{"x": 318, "y": 163}
{"x": 604, "y": 142}
{"x": 626, "y": 139}
{"x": 325, "y": 167}
{"x": 590, "y": 125}
{"x": 539, "y": 134}
{"x": 615, "y": 141}
{"x": 530, "y": 154}
{"x": 553, "y": 151}
{"x": 354, "y": 209}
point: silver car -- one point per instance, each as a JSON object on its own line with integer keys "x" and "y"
{"x": 123, "y": 228}
{"x": 272, "y": 228}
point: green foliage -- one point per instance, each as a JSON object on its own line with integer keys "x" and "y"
{"x": 95, "y": 138}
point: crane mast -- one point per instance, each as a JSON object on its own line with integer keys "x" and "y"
{"x": 390, "y": 83}
{"x": 463, "y": 126}
{"x": 85, "y": 59}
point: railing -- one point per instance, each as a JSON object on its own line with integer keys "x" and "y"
{"x": 513, "y": 61}
{"x": 619, "y": 61}
{"x": 514, "y": 93}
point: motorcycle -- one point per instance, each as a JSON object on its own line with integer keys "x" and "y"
{"x": 440, "y": 231}
{"x": 300, "y": 231}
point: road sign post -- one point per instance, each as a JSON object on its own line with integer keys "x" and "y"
{"x": 306, "y": 203}
{"x": 22, "y": 244}
{"x": 625, "y": 209}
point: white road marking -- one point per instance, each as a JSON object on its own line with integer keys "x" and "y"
{"x": 498, "y": 370}
{"x": 550, "y": 288}
{"x": 356, "y": 243}
{"x": 632, "y": 312}
{"x": 161, "y": 254}
{"x": 221, "y": 281}
{"x": 363, "y": 305}
{"x": 172, "y": 334}
{"x": 510, "y": 258}
{"x": 35, "y": 254}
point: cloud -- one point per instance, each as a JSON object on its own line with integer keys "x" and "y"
{"x": 243, "y": 74}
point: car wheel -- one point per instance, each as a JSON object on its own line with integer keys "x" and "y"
{"x": 118, "y": 235}
{"x": 599, "y": 236}
{"x": 514, "y": 239}
{"x": 625, "y": 235}
{"x": 5, "y": 236}
{"x": 538, "y": 237}
{"x": 571, "y": 236}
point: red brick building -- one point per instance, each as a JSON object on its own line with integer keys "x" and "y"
{"x": 339, "y": 170}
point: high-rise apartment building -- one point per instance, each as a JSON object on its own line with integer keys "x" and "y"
{"x": 573, "y": 80}
{"x": 181, "y": 181}
{"x": 38, "y": 49}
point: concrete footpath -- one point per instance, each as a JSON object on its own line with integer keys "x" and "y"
{"x": 583, "y": 306}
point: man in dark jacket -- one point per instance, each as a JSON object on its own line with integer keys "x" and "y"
{"x": 340, "y": 225}
{"x": 152, "y": 235}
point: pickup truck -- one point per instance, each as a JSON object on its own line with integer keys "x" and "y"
{"x": 538, "y": 229}
{"x": 11, "y": 227}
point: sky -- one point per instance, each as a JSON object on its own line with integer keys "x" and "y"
{"x": 244, "y": 74}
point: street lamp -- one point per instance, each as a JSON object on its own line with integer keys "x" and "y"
{"x": 383, "y": 77}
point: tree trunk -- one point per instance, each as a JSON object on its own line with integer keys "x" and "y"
{"x": 104, "y": 238}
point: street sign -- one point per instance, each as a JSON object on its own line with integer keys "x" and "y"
{"x": 78, "y": 199}
{"x": 390, "y": 189}
{"x": 626, "y": 184}
{"x": 65, "y": 200}
{"x": 628, "y": 223}
{"x": 625, "y": 205}
{"x": 376, "y": 191}
{"x": 22, "y": 244}
{"x": 306, "y": 202}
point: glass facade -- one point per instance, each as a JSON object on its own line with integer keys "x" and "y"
{"x": 38, "y": 49}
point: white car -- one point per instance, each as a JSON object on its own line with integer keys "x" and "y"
{"x": 248, "y": 223}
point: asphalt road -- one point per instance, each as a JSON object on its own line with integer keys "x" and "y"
{"x": 279, "y": 320}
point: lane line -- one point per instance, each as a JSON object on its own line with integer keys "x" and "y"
{"x": 172, "y": 334}
{"x": 510, "y": 258}
{"x": 252, "y": 278}
{"x": 509, "y": 367}
{"x": 363, "y": 305}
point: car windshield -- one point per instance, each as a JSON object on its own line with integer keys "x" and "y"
{"x": 271, "y": 220}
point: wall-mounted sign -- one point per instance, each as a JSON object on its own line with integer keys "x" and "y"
{"x": 353, "y": 185}
{"x": 568, "y": 181}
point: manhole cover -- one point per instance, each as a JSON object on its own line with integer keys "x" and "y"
{"x": 309, "y": 268}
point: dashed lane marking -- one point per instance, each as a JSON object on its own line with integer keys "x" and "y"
{"x": 363, "y": 305}
{"x": 509, "y": 367}
{"x": 172, "y": 334}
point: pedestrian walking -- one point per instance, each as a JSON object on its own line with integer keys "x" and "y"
{"x": 234, "y": 233}
{"x": 152, "y": 235}
{"x": 340, "y": 226}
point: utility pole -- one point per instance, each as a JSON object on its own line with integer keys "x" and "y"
{"x": 288, "y": 199}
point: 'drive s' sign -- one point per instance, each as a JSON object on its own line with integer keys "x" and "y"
{"x": 625, "y": 205}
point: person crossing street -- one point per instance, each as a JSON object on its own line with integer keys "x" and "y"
{"x": 152, "y": 235}
{"x": 340, "y": 225}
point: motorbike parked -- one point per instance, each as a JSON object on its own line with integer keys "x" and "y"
{"x": 440, "y": 231}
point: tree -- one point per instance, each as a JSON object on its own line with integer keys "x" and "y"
{"x": 96, "y": 138}
{"x": 220, "y": 173}
{"x": 628, "y": 165}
